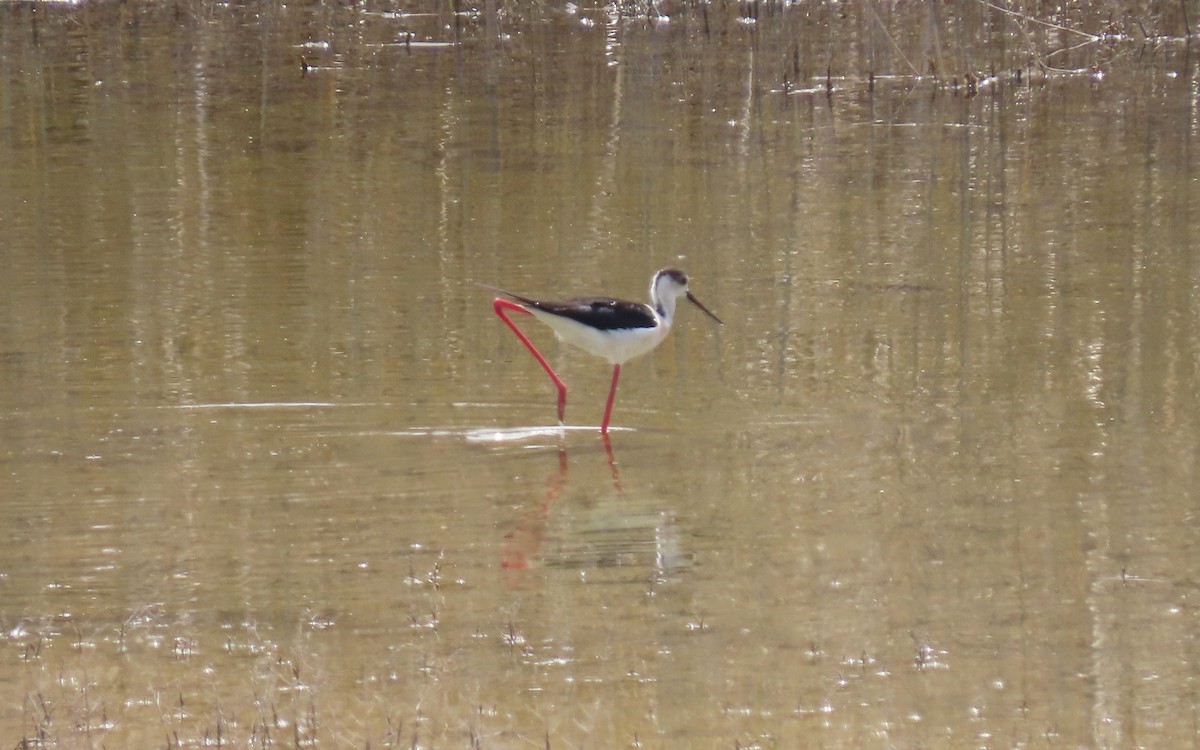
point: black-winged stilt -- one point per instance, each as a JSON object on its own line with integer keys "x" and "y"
{"x": 610, "y": 328}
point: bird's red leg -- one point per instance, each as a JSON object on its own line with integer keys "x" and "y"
{"x": 499, "y": 305}
{"x": 612, "y": 392}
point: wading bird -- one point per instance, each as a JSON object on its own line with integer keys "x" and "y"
{"x": 614, "y": 329}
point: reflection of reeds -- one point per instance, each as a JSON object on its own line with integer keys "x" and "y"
{"x": 87, "y": 697}
{"x": 962, "y": 46}
{"x": 816, "y": 44}
{"x": 158, "y": 679}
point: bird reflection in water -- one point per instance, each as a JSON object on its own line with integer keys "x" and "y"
{"x": 525, "y": 541}
{"x": 599, "y": 534}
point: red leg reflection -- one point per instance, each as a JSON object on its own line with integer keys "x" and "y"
{"x": 612, "y": 464}
{"x": 525, "y": 541}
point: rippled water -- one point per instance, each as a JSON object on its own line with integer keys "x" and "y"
{"x": 272, "y": 472}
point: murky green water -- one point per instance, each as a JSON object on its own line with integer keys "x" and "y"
{"x": 272, "y": 472}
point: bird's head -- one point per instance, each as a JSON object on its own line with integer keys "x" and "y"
{"x": 668, "y": 286}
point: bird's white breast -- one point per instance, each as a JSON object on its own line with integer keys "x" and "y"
{"x": 618, "y": 346}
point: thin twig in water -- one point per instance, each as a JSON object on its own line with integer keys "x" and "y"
{"x": 875, "y": 15}
{"x": 1038, "y": 21}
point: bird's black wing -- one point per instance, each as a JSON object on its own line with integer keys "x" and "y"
{"x": 601, "y": 313}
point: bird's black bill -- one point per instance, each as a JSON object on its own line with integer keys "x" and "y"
{"x": 692, "y": 298}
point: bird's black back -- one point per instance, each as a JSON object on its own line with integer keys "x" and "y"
{"x": 601, "y": 313}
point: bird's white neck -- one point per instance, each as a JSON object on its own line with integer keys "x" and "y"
{"x": 664, "y": 293}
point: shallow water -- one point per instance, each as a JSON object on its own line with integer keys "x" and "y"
{"x": 273, "y": 472}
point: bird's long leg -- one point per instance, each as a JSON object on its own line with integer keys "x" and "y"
{"x": 612, "y": 392}
{"x": 500, "y": 305}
